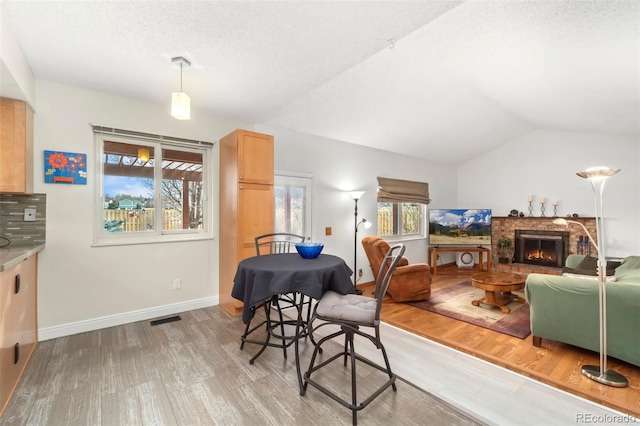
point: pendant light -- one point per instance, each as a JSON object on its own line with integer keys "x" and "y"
{"x": 180, "y": 101}
{"x": 143, "y": 154}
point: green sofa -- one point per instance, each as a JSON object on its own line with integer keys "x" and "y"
{"x": 565, "y": 309}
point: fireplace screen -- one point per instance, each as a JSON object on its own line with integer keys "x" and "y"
{"x": 544, "y": 248}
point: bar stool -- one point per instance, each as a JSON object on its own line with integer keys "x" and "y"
{"x": 352, "y": 313}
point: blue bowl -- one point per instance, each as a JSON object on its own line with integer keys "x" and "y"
{"x": 309, "y": 250}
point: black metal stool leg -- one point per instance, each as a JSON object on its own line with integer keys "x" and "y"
{"x": 354, "y": 399}
{"x": 386, "y": 362}
{"x": 244, "y": 336}
{"x": 284, "y": 342}
{"x": 266, "y": 342}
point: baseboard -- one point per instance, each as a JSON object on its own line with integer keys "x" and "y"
{"x": 124, "y": 318}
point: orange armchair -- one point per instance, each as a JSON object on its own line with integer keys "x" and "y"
{"x": 408, "y": 282}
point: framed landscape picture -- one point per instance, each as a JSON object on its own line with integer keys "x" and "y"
{"x": 65, "y": 167}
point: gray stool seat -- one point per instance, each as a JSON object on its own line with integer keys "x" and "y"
{"x": 347, "y": 307}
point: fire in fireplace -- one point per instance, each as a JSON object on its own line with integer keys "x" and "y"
{"x": 543, "y": 248}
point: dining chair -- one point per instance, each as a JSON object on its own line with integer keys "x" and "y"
{"x": 353, "y": 313}
{"x": 274, "y": 243}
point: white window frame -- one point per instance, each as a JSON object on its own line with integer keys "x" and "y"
{"x": 158, "y": 235}
{"x": 423, "y": 227}
{"x": 300, "y": 179}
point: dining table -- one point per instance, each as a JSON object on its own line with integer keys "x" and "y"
{"x": 259, "y": 278}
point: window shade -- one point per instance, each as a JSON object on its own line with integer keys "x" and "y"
{"x": 402, "y": 191}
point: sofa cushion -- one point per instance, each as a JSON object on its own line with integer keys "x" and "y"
{"x": 589, "y": 266}
{"x": 630, "y": 269}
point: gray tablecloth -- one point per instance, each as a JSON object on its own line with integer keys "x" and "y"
{"x": 260, "y": 277}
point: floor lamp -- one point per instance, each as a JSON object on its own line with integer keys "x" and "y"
{"x": 600, "y": 373}
{"x": 356, "y": 195}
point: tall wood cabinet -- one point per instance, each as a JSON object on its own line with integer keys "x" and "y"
{"x": 246, "y": 203}
{"x": 16, "y": 146}
{"x": 18, "y": 328}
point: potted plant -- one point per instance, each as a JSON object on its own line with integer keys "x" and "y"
{"x": 505, "y": 249}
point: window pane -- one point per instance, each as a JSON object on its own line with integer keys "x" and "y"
{"x": 290, "y": 209}
{"x": 385, "y": 219}
{"x": 410, "y": 219}
{"x": 128, "y": 187}
{"x": 182, "y": 190}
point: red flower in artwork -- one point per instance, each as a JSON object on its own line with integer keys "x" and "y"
{"x": 57, "y": 161}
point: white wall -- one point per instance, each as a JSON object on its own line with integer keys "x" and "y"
{"x": 339, "y": 167}
{"x": 80, "y": 283}
{"x": 544, "y": 163}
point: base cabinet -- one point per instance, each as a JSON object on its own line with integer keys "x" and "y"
{"x": 18, "y": 329}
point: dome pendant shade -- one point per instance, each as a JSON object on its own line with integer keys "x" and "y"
{"x": 181, "y": 106}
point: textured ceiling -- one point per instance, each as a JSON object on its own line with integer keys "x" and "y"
{"x": 459, "y": 78}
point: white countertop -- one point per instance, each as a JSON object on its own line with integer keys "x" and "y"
{"x": 10, "y": 256}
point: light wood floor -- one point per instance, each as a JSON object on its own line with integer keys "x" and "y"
{"x": 553, "y": 363}
{"x": 192, "y": 372}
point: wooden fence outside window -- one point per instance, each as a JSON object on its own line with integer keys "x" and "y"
{"x": 143, "y": 219}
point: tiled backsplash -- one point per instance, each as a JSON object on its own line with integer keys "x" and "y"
{"x": 12, "y": 224}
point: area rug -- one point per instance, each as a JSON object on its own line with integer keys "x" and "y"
{"x": 455, "y": 302}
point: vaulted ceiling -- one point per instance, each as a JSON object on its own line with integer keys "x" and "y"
{"x": 441, "y": 80}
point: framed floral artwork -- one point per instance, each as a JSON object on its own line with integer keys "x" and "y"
{"x": 65, "y": 167}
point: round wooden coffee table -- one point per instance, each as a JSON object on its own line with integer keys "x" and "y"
{"x": 497, "y": 288}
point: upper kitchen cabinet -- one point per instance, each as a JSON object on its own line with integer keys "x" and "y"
{"x": 255, "y": 156}
{"x": 16, "y": 147}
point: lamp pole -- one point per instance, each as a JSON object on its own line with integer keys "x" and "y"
{"x": 356, "y": 195}
{"x": 601, "y": 374}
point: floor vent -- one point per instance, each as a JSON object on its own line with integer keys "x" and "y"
{"x": 165, "y": 320}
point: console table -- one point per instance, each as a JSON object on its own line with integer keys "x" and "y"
{"x": 482, "y": 252}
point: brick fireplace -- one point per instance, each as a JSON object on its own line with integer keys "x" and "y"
{"x": 533, "y": 227}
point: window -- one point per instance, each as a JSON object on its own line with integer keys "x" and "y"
{"x": 401, "y": 208}
{"x": 292, "y": 204}
{"x": 151, "y": 189}
{"x": 401, "y": 219}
